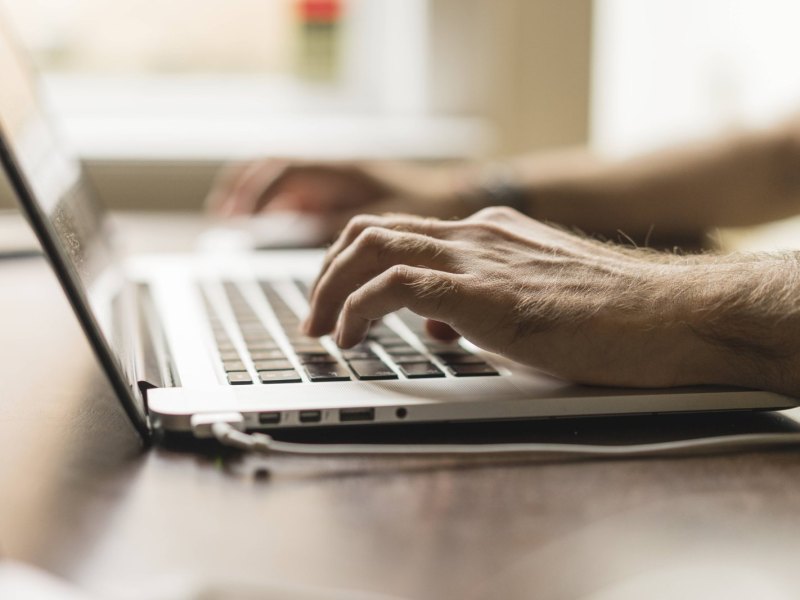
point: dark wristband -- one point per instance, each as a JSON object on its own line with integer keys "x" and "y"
{"x": 498, "y": 188}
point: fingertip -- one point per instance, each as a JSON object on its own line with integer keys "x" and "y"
{"x": 350, "y": 332}
{"x": 342, "y": 339}
{"x": 312, "y": 329}
{"x": 304, "y": 327}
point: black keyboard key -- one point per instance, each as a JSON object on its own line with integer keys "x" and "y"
{"x": 286, "y": 315}
{"x": 252, "y": 339}
{"x": 298, "y": 337}
{"x": 402, "y": 359}
{"x": 308, "y": 358}
{"x": 399, "y": 345}
{"x": 309, "y": 349}
{"x": 248, "y": 318}
{"x": 371, "y": 370}
{"x": 420, "y": 370}
{"x": 226, "y": 355}
{"x": 262, "y": 345}
{"x": 266, "y": 354}
{"x": 285, "y": 376}
{"x": 239, "y": 378}
{"x": 273, "y": 365}
{"x": 405, "y": 349}
{"x": 459, "y": 358}
{"x": 360, "y": 346}
{"x": 233, "y": 365}
{"x": 437, "y": 348}
{"x": 326, "y": 372}
{"x": 472, "y": 370}
{"x": 359, "y": 354}
{"x": 393, "y": 341}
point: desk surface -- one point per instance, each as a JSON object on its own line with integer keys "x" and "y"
{"x": 78, "y": 498}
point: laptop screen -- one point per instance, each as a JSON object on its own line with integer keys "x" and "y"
{"x": 66, "y": 215}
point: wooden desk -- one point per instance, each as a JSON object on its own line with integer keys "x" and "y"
{"x": 79, "y": 499}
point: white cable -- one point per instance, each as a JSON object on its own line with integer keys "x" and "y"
{"x": 264, "y": 444}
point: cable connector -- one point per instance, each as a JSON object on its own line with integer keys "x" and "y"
{"x": 202, "y": 423}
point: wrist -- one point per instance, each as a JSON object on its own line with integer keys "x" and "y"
{"x": 739, "y": 319}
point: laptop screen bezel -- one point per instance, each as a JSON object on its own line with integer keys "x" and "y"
{"x": 72, "y": 289}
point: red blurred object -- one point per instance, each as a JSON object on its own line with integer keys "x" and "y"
{"x": 319, "y": 11}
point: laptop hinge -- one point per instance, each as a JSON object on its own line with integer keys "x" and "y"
{"x": 153, "y": 363}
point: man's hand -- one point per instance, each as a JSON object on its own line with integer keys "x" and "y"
{"x": 336, "y": 191}
{"x": 576, "y": 308}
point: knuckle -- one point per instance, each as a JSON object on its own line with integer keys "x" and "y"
{"x": 352, "y": 303}
{"x": 336, "y": 264}
{"x": 370, "y": 238}
{"x": 493, "y": 213}
{"x": 362, "y": 221}
{"x": 356, "y": 225}
{"x": 330, "y": 255}
{"x": 482, "y": 229}
{"x": 405, "y": 243}
{"x": 400, "y": 274}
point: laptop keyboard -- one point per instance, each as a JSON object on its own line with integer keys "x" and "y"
{"x": 260, "y": 348}
{"x": 261, "y": 358}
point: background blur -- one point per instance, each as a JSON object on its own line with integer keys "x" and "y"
{"x": 154, "y": 95}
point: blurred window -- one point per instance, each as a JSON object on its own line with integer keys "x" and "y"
{"x": 667, "y": 70}
{"x": 332, "y": 55}
{"x": 156, "y": 36}
{"x": 173, "y": 78}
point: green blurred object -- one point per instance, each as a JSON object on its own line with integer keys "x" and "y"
{"x": 319, "y": 38}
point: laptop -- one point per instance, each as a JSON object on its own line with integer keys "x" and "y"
{"x": 184, "y": 337}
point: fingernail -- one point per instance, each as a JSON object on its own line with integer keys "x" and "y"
{"x": 339, "y": 338}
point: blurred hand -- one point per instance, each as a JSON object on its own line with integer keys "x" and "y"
{"x": 336, "y": 191}
{"x": 579, "y": 309}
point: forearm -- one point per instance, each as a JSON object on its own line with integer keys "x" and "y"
{"x": 744, "y": 310}
{"x": 737, "y": 181}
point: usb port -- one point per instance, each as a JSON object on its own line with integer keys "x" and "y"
{"x": 310, "y": 416}
{"x": 357, "y": 414}
{"x": 269, "y": 418}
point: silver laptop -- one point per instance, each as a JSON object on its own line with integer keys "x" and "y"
{"x": 185, "y": 337}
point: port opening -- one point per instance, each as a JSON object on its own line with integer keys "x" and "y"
{"x": 269, "y": 418}
{"x": 310, "y": 416}
{"x": 348, "y": 415}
